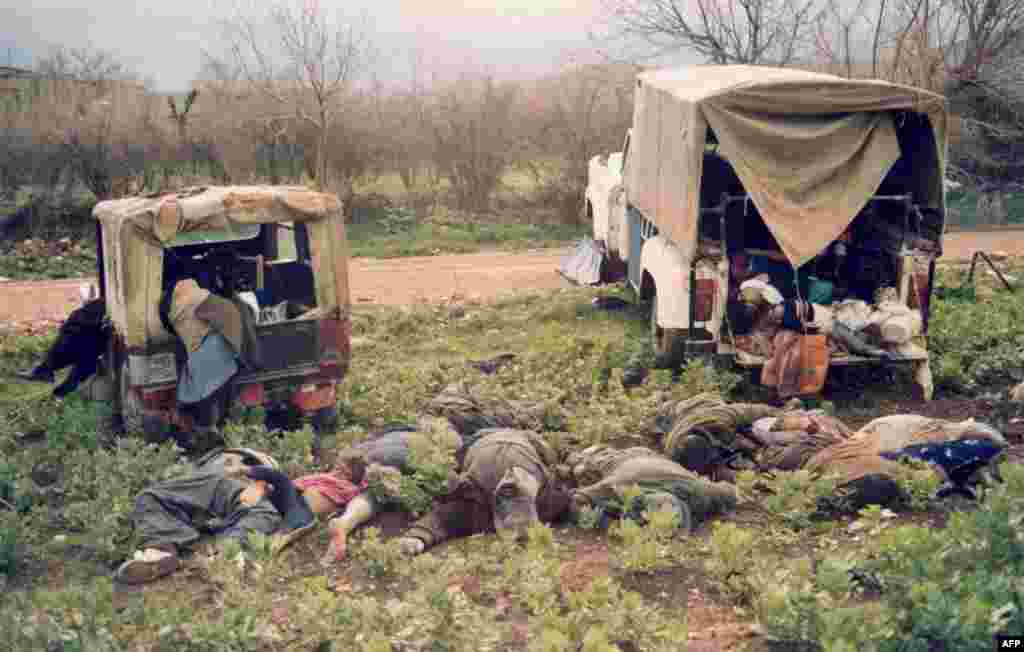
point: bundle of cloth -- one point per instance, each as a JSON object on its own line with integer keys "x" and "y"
{"x": 716, "y": 439}
{"x": 603, "y": 474}
{"x": 888, "y": 325}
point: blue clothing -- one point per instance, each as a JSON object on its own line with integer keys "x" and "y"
{"x": 959, "y": 459}
{"x": 285, "y": 497}
{"x": 212, "y": 365}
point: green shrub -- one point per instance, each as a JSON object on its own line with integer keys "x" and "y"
{"x": 977, "y": 347}
{"x": 10, "y": 534}
{"x": 76, "y": 424}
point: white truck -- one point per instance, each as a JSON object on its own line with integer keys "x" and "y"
{"x": 732, "y": 170}
{"x": 606, "y": 206}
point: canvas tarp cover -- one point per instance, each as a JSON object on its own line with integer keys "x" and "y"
{"x": 810, "y": 149}
{"x": 136, "y": 229}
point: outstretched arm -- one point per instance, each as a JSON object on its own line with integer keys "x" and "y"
{"x": 359, "y": 510}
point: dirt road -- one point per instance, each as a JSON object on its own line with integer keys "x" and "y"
{"x": 394, "y": 281}
{"x": 402, "y": 281}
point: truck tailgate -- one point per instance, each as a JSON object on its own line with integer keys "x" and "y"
{"x": 289, "y": 344}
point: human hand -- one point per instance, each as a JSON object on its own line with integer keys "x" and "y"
{"x": 253, "y": 494}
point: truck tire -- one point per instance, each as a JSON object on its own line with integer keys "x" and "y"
{"x": 669, "y": 343}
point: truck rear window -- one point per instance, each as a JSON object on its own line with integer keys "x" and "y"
{"x": 234, "y": 233}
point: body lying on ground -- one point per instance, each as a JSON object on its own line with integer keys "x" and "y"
{"x": 959, "y": 451}
{"x": 507, "y": 485}
{"x": 81, "y": 342}
{"x": 175, "y": 514}
{"x": 233, "y": 493}
{"x": 468, "y": 413}
{"x": 382, "y": 456}
{"x": 349, "y": 488}
{"x": 236, "y": 492}
{"x": 714, "y": 438}
{"x": 604, "y": 473}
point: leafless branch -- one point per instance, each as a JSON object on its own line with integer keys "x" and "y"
{"x": 299, "y": 56}
{"x": 720, "y": 31}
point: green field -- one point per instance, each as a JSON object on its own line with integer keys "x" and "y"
{"x": 777, "y": 574}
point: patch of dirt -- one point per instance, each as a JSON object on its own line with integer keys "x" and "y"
{"x": 963, "y": 244}
{"x": 393, "y": 281}
{"x": 35, "y": 307}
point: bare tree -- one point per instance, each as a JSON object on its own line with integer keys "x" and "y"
{"x": 985, "y": 58}
{"x": 180, "y": 118}
{"x": 583, "y": 111}
{"x": 92, "y": 107}
{"x": 474, "y": 138}
{"x": 89, "y": 65}
{"x": 300, "y": 57}
{"x": 402, "y": 116}
{"x": 720, "y": 31}
{"x": 841, "y": 32}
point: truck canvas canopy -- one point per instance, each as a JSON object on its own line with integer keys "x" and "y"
{"x": 810, "y": 149}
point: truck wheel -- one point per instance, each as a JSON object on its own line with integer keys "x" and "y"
{"x": 669, "y": 343}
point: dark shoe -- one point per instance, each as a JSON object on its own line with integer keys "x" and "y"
{"x": 37, "y": 375}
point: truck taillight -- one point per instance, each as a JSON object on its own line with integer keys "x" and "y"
{"x": 335, "y": 337}
{"x": 158, "y": 399}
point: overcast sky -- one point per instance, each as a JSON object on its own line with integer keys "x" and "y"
{"x": 162, "y": 40}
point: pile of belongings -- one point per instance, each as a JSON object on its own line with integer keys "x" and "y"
{"x": 888, "y": 329}
{"x": 798, "y": 338}
{"x": 716, "y": 439}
